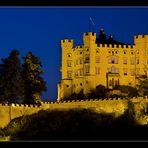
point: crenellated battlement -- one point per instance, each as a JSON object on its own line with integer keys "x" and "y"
{"x": 67, "y": 41}
{"x": 106, "y": 105}
{"x": 116, "y": 46}
{"x": 79, "y": 46}
{"x": 140, "y": 36}
{"x": 89, "y": 34}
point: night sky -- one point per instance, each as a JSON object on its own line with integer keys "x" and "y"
{"x": 40, "y": 29}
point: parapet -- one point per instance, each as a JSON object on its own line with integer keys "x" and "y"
{"x": 67, "y": 41}
{"x": 89, "y": 34}
{"x": 140, "y": 37}
{"x": 115, "y": 46}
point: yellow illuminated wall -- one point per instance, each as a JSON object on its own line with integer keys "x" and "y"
{"x": 84, "y": 67}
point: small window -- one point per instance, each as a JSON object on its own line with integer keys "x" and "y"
{"x": 112, "y": 52}
{"x": 67, "y": 85}
{"x": 87, "y": 49}
{"x": 80, "y": 52}
{"x": 97, "y": 51}
{"x": 116, "y": 52}
{"x": 132, "y": 52}
{"x": 80, "y": 84}
{"x": 97, "y": 59}
{"x": 124, "y": 52}
{"x": 109, "y": 52}
{"x": 110, "y": 82}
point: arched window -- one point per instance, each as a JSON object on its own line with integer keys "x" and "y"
{"x": 113, "y": 60}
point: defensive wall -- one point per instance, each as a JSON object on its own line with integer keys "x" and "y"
{"x": 109, "y": 105}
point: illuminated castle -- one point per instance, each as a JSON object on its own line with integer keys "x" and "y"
{"x": 101, "y": 60}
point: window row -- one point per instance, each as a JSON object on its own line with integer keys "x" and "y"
{"x": 81, "y": 72}
{"x": 115, "y": 60}
{"x": 116, "y": 52}
{"x": 80, "y": 61}
{"x": 111, "y": 70}
{"x": 113, "y": 82}
{"x": 111, "y": 60}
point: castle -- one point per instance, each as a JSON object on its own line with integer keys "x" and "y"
{"x": 101, "y": 60}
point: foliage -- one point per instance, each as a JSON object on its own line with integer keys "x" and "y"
{"x": 11, "y": 81}
{"x": 78, "y": 124}
{"x": 143, "y": 87}
{"x": 33, "y": 82}
{"x": 99, "y": 92}
{"x": 131, "y": 91}
{"x": 75, "y": 96}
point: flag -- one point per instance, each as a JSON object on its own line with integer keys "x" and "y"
{"x": 91, "y": 21}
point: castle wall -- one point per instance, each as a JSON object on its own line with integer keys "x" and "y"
{"x": 115, "y": 106}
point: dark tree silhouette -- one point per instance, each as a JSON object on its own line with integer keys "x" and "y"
{"x": 11, "y": 82}
{"x": 34, "y": 83}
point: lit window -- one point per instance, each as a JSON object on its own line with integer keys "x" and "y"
{"x": 97, "y": 69}
{"x": 132, "y": 61}
{"x": 97, "y": 59}
{"x": 124, "y": 60}
{"x": 116, "y": 82}
{"x": 113, "y": 60}
{"x": 87, "y": 68}
{"x": 81, "y": 72}
{"x": 81, "y": 61}
{"x": 76, "y": 73}
{"x": 132, "y": 72}
{"x": 87, "y": 58}
{"x": 137, "y": 61}
{"x": 110, "y": 82}
{"x": 114, "y": 70}
{"x": 125, "y": 71}
{"x": 69, "y": 74}
{"x": 69, "y": 63}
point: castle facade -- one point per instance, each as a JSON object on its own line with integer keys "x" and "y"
{"x": 101, "y": 60}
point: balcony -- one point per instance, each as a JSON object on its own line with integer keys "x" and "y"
{"x": 112, "y": 74}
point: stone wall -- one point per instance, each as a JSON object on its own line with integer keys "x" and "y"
{"x": 116, "y": 106}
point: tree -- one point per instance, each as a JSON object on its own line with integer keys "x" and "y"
{"x": 34, "y": 83}
{"x": 129, "y": 90}
{"x": 143, "y": 87}
{"x": 99, "y": 92}
{"x": 11, "y": 81}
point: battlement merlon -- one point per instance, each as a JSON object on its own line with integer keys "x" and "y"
{"x": 140, "y": 38}
{"x": 114, "y": 46}
{"x": 89, "y": 34}
{"x": 67, "y": 42}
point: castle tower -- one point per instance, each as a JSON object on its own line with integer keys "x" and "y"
{"x": 141, "y": 53}
{"x": 89, "y": 40}
{"x": 65, "y": 87}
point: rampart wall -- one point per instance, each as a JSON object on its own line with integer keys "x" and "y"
{"x": 116, "y": 106}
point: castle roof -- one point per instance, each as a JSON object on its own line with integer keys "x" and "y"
{"x": 110, "y": 40}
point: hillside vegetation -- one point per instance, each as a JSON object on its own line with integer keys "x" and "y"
{"x": 80, "y": 124}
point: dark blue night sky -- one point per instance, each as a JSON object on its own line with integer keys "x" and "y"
{"x": 40, "y": 29}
